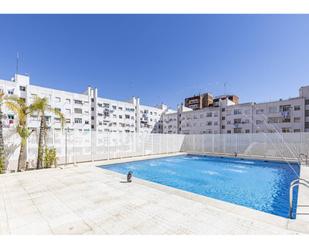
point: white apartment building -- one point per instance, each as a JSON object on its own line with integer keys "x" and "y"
{"x": 84, "y": 111}
{"x": 290, "y": 115}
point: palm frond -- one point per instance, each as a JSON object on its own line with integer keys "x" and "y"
{"x": 59, "y": 114}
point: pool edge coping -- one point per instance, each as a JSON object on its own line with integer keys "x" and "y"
{"x": 238, "y": 210}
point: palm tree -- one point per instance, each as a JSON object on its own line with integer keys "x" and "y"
{"x": 22, "y": 110}
{"x": 41, "y": 106}
{"x": 2, "y": 155}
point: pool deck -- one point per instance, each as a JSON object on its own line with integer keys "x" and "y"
{"x": 85, "y": 199}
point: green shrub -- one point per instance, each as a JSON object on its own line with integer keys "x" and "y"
{"x": 2, "y": 167}
{"x": 50, "y": 157}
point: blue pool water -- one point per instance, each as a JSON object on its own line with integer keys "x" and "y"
{"x": 252, "y": 183}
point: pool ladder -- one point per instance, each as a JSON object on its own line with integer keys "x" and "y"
{"x": 293, "y": 184}
{"x": 301, "y": 156}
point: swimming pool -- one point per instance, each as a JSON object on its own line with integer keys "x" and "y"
{"x": 255, "y": 184}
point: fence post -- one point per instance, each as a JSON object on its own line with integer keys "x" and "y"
{"x": 224, "y": 142}
{"x": 107, "y": 144}
{"x": 74, "y": 135}
{"x": 92, "y": 145}
{"x": 66, "y": 146}
{"x": 152, "y": 146}
{"x": 213, "y": 142}
{"x": 236, "y": 143}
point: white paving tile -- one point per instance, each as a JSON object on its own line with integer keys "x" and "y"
{"x": 90, "y": 200}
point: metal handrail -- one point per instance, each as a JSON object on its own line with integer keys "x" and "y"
{"x": 300, "y": 157}
{"x": 293, "y": 184}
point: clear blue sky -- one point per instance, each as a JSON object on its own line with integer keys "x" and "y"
{"x": 160, "y": 58}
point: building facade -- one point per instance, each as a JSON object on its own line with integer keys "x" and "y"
{"x": 226, "y": 116}
{"x": 84, "y": 111}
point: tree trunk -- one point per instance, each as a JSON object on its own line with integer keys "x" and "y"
{"x": 39, "y": 163}
{"x": 2, "y": 155}
{"x": 21, "y": 157}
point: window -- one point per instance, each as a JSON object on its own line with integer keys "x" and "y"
{"x": 259, "y": 122}
{"x": 106, "y": 105}
{"x": 272, "y": 109}
{"x": 307, "y": 125}
{"x": 79, "y": 102}
{"x": 237, "y": 111}
{"x": 247, "y": 112}
{"x": 114, "y": 107}
{"x": 78, "y": 120}
{"x": 247, "y": 131}
{"x": 57, "y": 99}
{"x": 128, "y": 117}
{"x": 92, "y": 126}
{"x": 68, "y": 121}
{"x": 296, "y": 130}
{"x": 92, "y": 117}
{"x": 22, "y": 88}
{"x": 92, "y": 108}
{"x": 68, "y": 101}
{"x": 120, "y": 116}
{"x": 223, "y": 126}
{"x": 223, "y": 109}
{"x": 237, "y": 130}
{"x": 68, "y": 111}
{"x": 285, "y": 108}
{"x": 229, "y": 132}
{"x": 78, "y": 110}
{"x": 10, "y": 116}
{"x": 307, "y": 113}
{"x": 285, "y": 130}
{"x": 297, "y": 120}
{"x": 274, "y": 120}
{"x": 11, "y": 91}
{"x": 92, "y": 99}
{"x": 237, "y": 121}
{"x": 307, "y": 102}
{"x": 223, "y": 118}
{"x": 209, "y": 114}
{"x": 296, "y": 107}
{"x": 259, "y": 111}
{"x": 120, "y": 108}
{"x": 86, "y": 122}
{"x": 99, "y": 105}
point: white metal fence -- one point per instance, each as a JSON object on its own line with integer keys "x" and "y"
{"x": 269, "y": 145}
{"x": 75, "y": 146}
